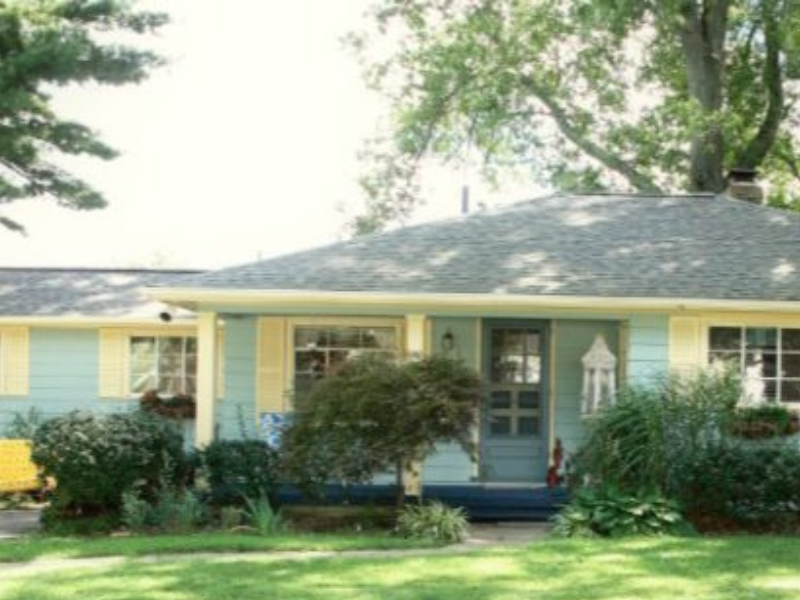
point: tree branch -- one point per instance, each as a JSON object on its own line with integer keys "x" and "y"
{"x": 757, "y": 149}
{"x": 566, "y": 125}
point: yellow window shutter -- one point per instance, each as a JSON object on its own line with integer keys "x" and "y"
{"x": 112, "y": 366}
{"x": 14, "y": 361}
{"x": 685, "y": 343}
{"x": 271, "y": 371}
{"x": 220, "y": 365}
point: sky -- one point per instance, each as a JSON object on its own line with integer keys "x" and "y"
{"x": 243, "y": 147}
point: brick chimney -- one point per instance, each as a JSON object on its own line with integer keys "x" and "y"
{"x": 743, "y": 185}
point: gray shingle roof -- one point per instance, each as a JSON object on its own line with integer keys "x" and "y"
{"x": 693, "y": 246}
{"x": 50, "y": 292}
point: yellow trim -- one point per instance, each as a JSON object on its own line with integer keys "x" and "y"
{"x": 689, "y": 334}
{"x": 207, "y": 371}
{"x": 271, "y": 367}
{"x": 189, "y": 297}
{"x": 551, "y": 390}
{"x": 14, "y": 361}
{"x": 476, "y": 464}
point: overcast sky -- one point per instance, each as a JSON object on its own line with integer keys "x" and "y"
{"x": 243, "y": 147}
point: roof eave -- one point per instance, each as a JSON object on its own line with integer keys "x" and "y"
{"x": 198, "y": 299}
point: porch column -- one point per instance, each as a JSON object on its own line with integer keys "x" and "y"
{"x": 205, "y": 424}
{"x": 416, "y": 345}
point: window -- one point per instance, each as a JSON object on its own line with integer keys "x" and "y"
{"x": 319, "y": 350}
{"x": 165, "y": 364}
{"x": 768, "y": 359}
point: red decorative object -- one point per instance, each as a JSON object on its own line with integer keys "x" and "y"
{"x": 554, "y": 476}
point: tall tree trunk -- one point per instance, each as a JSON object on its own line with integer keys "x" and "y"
{"x": 702, "y": 35}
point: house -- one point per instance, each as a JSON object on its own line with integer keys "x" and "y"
{"x": 521, "y": 293}
{"x": 669, "y": 283}
{"x": 86, "y": 339}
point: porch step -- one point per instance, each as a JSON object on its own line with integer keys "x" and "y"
{"x": 481, "y": 502}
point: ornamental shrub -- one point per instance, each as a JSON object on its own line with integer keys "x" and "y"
{"x": 744, "y": 485}
{"x": 239, "y": 469}
{"x": 648, "y": 436}
{"x": 433, "y": 521}
{"x": 609, "y": 513}
{"x": 96, "y": 458}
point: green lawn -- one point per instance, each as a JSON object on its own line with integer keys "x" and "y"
{"x": 30, "y": 548}
{"x": 642, "y": 569}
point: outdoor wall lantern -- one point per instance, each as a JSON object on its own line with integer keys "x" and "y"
{"x": 599, "y": 376}
{"x": 448, "y": 342}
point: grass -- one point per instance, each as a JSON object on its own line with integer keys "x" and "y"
{"x": 735, "y": 568}
{"x": 36, "y": 547}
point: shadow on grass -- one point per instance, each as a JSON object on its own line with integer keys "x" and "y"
{"x": 701, "y": 569}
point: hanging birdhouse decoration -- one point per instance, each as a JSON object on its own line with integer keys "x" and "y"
{"x": 599, "y": 377}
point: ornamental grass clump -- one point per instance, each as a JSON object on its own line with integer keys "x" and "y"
{"x": 433, "y": 521}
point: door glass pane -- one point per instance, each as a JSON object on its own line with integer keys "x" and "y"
{"x": 528, "y": 426}
{"x": 762, "y": 339}
{"x": 726, "y": 338}
{"x": 191, "y": 345}
{"x": 170, "y": 345}
{"x": 501, "y": 400}
{"x": 528, "y": 399}
{"x": 500, "y": 425}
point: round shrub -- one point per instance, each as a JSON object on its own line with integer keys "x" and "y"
{"x": 95, "y": 459}
{"x": 239, "y": 469}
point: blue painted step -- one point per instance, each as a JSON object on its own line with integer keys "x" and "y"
{"x": 482, "y": 503}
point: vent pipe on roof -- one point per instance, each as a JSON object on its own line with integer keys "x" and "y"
{"x": 743, "y": 185}
{"x": 465, "y": 200}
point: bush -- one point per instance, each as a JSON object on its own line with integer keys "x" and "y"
{"x": 765, "y": 421}
{"x": 645, "y": 440}
{"x": 96, "y": 458}
{"x": 24, "y": 426}
{"x": 177, "y": 511}
{"x": 239, "y": 469}
{"x": 606, "y": 512}
{"x": 230, "y": 517}
{"x": 378, "y": 414}
{"x": 747, "y": 484}
{"x": 262, "y": 517}
{"x": 433, "y": 521}
{"x": 135, "y": 512}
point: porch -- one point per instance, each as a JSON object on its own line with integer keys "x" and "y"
{"x": 530, "y": 359}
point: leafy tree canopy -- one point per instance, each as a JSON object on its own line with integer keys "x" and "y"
{"x": 375, "y": 415}
{"x": 45, "y": 44}
{"x": 639, "y": 95}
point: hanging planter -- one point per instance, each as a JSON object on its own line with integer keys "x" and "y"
{"x": 766, "y": 421}
{"x": 180, "y": 406}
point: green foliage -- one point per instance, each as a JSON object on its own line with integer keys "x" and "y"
{"x": 645, "y": 96}
{"x": 135, "y": 512}
{"x": 96, "y": 458}
{"x": 177, "y": 510}
{"x": 52, "y": 43}
{"x": 645, "y": 440}
{"x": 54, "y": 523}
{"x": 24, "y": 426}
{"x": 433, "y": 521}
{"x": 262, "y": 517}
{"x": 765, "y": 421}
{"x": 236, "y": 469}
{"x": 230, "y": 517}
{"x": 608, "y": 513}
{"x": 752, "y": 484}
{"x": 376, "y": 414}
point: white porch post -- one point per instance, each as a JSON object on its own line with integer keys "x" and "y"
{"x": 205, "y": 424}
{"x": 416, "y": 345}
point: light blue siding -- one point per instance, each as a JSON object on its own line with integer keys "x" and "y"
{"x": 572, "y": 339}
{"x": 63, "y": 376}
{"x": 450, "y": 464}
{"x": 237, "y": 411}
{"x": 648, "y": 348}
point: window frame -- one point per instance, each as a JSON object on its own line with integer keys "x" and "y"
{"x": 779, "y": 378}
{"x": 293, "y": 323}
{"x": 184, "y": 336}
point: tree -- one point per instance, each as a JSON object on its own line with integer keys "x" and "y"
{"x": 46, "y": 44}
{"x": 376, "y": 415}
{"x": 642, "y": 95}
